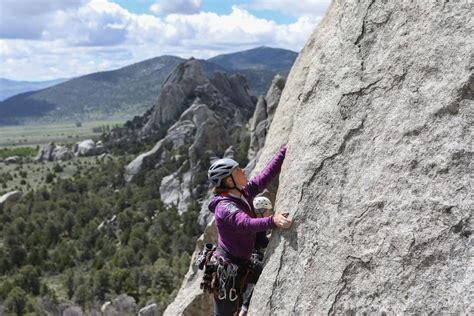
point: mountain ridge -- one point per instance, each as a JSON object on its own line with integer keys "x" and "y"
{"x": 10, "y": 88}
{"x": 128, "y": 91}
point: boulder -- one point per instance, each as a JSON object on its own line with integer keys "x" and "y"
{"x": 170, "y": 189}
{"x": 99, "y": 148}
{"x": 86, "y": 148}
{"x": 73, "y": 311}
{"x": 10, "y": 197}
{"x": 377, "y": 113}
{"x": 121, "y": 305}
{"x": 48, "y": 306}
{"x": 12, "y": 159}
{"x": 46, "y": 153}
{"x": 52, "y": 153}
{"x": 145, "y": 160}
{"x": 125, "y": 304}
{"x": 62, "y": 153}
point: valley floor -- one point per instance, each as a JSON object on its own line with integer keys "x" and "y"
{"x": 33, "y": 135}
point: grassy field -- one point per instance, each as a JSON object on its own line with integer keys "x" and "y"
{"x": 32, "y": 175}
{"x": 33, "y": 135}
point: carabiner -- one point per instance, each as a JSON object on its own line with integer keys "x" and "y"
{"x": 220, "y": 296}
{"x": 230, "y": 295}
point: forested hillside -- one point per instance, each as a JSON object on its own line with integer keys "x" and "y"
{"x": 91, "y": 237}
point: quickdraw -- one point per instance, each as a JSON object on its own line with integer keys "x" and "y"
{"x": 226, "y": 274}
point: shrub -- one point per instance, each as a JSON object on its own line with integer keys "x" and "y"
{"x": 50, "y": 177}
{"x": 58, "y": 168}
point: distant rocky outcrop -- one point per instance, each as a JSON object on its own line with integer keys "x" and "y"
{"x": 378, "y": 114}
{"x": 205, "y": 114}
{"x": 177, "y": 87}
{"x": 53, "y": 152}
{"x": 261, "y": 120}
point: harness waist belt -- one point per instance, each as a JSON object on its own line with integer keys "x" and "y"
{"x": 232, "y": 258}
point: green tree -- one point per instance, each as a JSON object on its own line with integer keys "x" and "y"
{"x": 58, "y": 168}
{"x": 28, "y": 278}
{"x": 120, "y": 280}
{"x": 51, "y": 232}
{"x": 16, "y": 300}
{"x": 68, "y": 282}
{"x": 69, "y": 223}
{"x": 4, "y": 263}
{"x": 17, "y": 255}
{"x": 82, "y": 295}
{"x": 101, "y": 284}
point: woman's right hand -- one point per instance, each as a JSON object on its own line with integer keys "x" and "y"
{"x": 281, "y": 220}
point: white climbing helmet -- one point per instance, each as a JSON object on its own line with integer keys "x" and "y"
{"x": 261, "y": 202}
{"x": 221, "y": 169}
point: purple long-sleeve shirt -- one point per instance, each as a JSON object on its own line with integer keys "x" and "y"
{"x": 235, "y": 217}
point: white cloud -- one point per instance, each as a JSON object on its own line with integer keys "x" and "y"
{"x": 36, "y": 7}
{"x": 296, "y": 8}
{"x": 27, "y": 19}
{"x": 97, "y": 23}
{"x": 100, "y": 35}
{"x": 176, "y": 6}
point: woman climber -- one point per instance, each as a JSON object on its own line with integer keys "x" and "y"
{"x": 239, "y": 229}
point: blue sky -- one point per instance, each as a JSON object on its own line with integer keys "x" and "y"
{"x": 48, "y": 39}
{"x": 216, "y": 6}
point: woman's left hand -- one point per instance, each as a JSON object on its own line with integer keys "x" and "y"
{"x": 281, "y": 220}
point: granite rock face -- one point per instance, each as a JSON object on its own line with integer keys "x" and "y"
{"x": 377, "y": 113}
